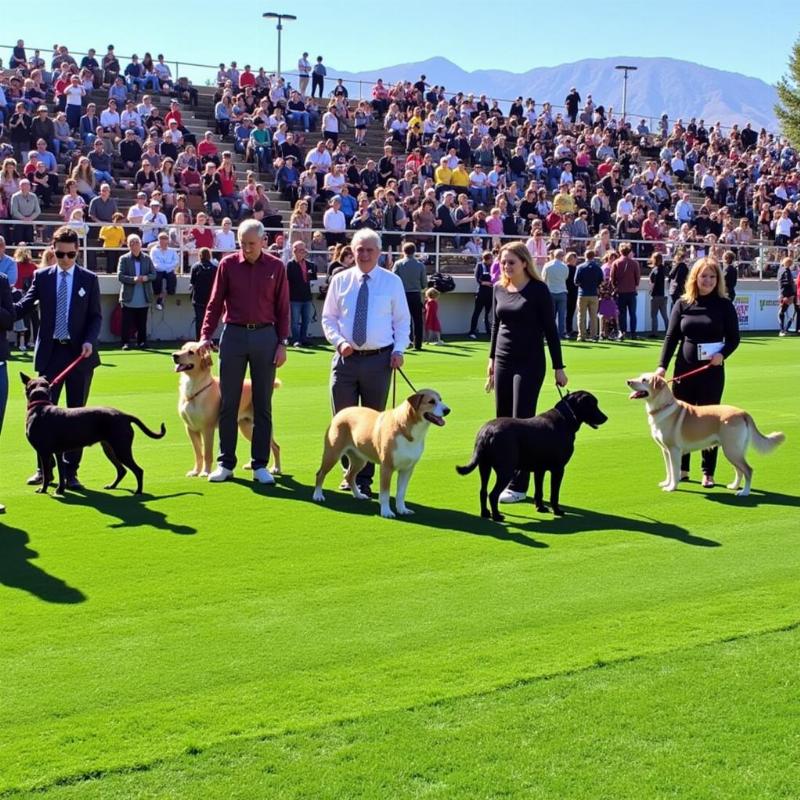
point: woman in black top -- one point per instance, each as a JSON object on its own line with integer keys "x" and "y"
{"x": 523, "y": 319}
{"x": 201, "y": 281}
{"x": 702, "y": 316}
{"x": 677, "y": 277}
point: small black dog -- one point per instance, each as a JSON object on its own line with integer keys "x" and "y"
{"x": 541, "y": 444}
{"x": 52, "y": 431}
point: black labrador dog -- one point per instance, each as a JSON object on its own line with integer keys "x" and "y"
{"x": 542, "y": 444}
{"x": 52, "y": 431}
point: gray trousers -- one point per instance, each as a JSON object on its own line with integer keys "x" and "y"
{"x": 238, "y": 348}
{"x": 361, "y": 380}
{"x": 658, "y": 305}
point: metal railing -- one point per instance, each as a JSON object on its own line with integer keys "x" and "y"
{"x": 758, "y": 259}
{"x": 364, "y": 88}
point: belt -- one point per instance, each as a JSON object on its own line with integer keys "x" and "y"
{"x": 252, "y": 326}
{"x": 62, "y": 341}
{"x": 372, "y": 352}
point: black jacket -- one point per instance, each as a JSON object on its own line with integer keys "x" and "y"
{"x": 201, "y": 280}
{"x": 300, "y": 290}
{"x": 6, "y": 317}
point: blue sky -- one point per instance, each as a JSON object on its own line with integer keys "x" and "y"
{"x": 746, "y": 37}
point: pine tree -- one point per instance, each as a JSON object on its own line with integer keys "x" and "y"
{"x": 788, "y": 107}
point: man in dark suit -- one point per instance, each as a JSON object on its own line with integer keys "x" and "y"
{"x": 6, "y": 324}
{"x": 69, "y": 306}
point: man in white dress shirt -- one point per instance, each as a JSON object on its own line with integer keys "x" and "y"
{"x": 366, "y": 319}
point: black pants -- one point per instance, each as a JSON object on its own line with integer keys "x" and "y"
{"x": 483, "y": 303}
{"x": 199, "y": 314}
{"x": 703, "y": 389}
{"x": 76, "y": 385}
{"x": 134, "y": 318}
{"x": 361, "y": 380}
{"x": 572, "y": 304}
{"x": 162, "y": 280}
{"x": 516, "y": 393}
{"x": 415, "y": 308}
{"x": 238, "y": 349}
{"x": 317, "y": 82}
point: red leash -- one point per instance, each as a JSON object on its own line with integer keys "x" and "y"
{"x": 66, "y": 371}
{"x": 679, "y": 378}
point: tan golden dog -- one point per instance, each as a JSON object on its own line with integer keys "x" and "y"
{"x": 681, "y": 428}
{"x": 198, "y": 407}
{"x": 392, "y": 439}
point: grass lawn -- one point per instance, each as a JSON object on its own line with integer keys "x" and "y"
{"x": 228, "y": 641}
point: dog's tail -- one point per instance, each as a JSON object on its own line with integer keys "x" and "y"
{"x": 136, "y": 421}
{"x": 763, "y": 444}
{"x": 467, "y": 468}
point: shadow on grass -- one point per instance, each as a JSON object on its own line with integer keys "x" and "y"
{"x": 583, "y": 520}
{"x": 17, "y": 571}
{"x": 757, "y": 497}
{"x": 425, "y": 516}
{"x": 130, "y": 509}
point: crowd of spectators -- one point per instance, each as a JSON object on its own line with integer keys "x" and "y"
{"x": 456, "y": 164}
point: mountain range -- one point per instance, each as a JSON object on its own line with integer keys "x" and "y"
{"x": 659, "y": 85}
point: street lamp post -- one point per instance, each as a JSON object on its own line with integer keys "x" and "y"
{"x": 279, "y": 28}
{"x": 626, "y": 68}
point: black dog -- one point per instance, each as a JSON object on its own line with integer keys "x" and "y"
{"x": 52, "y": 431}
{"x": 541, "y": 444}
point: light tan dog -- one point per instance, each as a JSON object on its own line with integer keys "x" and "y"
{"x": 198, "y": 407}
{"x": 392, "y": 439}
{"x": 679, "y": 428}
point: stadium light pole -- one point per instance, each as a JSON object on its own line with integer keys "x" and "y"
{"x": 626, "y": 68}
{"x": 279, "y": 28}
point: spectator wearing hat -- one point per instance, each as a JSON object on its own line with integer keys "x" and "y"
{"x": 259, "y": 145}
{"x": 153, "y": 222}
{"x": 288, "y": 180}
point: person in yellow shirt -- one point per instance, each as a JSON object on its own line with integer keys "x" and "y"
{"x": 459, "y": 178}
{"x": 564, "y": 202}
{"x": 113, "y": 238}
{"x": 442, "y": 177}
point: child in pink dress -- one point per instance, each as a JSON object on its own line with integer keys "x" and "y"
{"x": 433, "y": 328}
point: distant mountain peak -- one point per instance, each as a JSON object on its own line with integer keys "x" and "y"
{"x": 659, "y": 85}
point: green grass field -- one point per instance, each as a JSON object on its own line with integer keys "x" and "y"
{"x": 227, "y": 641}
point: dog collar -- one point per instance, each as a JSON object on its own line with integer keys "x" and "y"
{"x": 660, "y": 408}
{"x": 561, "y": 405}
{"x": 34, "y": 403}
{"x": 199, "y": 391}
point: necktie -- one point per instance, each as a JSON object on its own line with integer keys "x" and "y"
{"x": 61, "y": 329}
{"x": 360, "y": 319}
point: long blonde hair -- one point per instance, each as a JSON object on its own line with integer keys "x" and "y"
{"x": 519, "y": 250}
{"x": 690, "y": 293}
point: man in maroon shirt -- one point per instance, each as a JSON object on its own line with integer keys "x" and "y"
{"x": 251, "y": 294}
{"x": 625, "y": 277}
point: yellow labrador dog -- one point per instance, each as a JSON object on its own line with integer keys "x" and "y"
{"x": 393, "y": 439}
{"x": 681, "y": 428}
{"x": 198, "y": 407}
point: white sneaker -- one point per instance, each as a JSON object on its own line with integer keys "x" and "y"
{"x": 220, "y": 474}
{"x": 510, "y": 496}
{"x": 263, "y": 475}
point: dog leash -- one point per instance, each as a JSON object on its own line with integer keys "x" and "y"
{"x": 66, "y": 371}
{"x": 561, "y": 394}
{"x": 394, "y": 384}
{"x": 679, "y": 378}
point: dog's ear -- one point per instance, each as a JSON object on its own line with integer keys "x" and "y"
{"x": 416, "y": 400}
{"x": 24, "y": 378}
{"x": 657, "y": 382}
{"x": 206, "y": 362}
